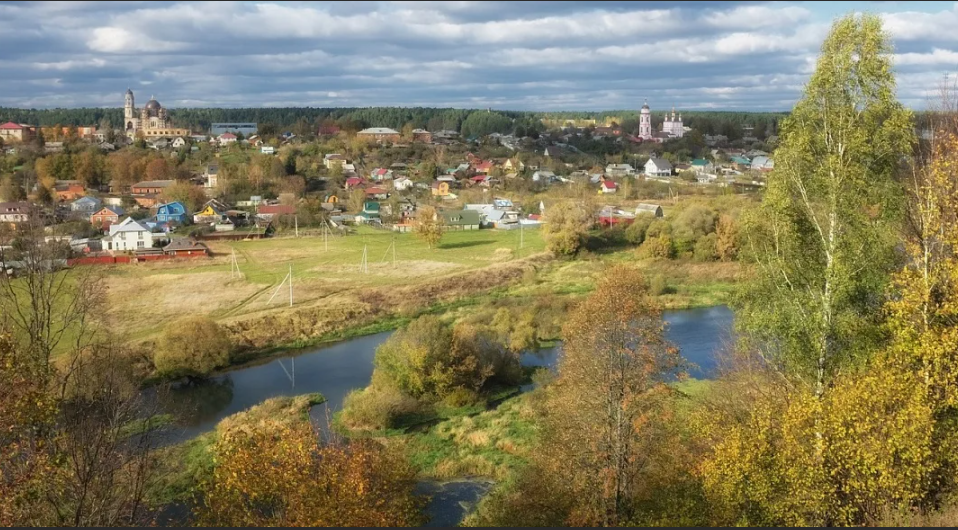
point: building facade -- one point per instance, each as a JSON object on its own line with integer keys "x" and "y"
{"x": 248, "y": 129}
{"x": 150, "y": 121}
{"x": 673, "y": 126}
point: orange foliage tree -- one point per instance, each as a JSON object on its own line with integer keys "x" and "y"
{"x": 278, "y": 474}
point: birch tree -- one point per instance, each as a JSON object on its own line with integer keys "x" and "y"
{"x": 824, "y": 234}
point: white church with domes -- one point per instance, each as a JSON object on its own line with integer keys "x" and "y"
{"x": 671, "y": 126}
{"x": 151, "y": 121}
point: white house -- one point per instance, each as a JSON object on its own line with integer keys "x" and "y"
{"x": 128, "y": 235}
{"x": 762, "y": 163}
{"x": 178, "y": 142}
{"x": 227, "y": 138}
{"x": 703, "y": 166}
{"x": 212, "y": 176}
{"x": 543, "y": 175}
{"x": 267, "y": 150}
{"x": 86, "y": 205}
{"x": 658, "y": 167}
{"x": 620, "y": 170}
{"x": 402, "y": 183}
{"x": 608, "y": 186}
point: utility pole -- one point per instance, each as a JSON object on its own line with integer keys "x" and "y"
{"x": 521, "y": 234}
{"x": 326, "y": 235}
{"x": 291, "y": 285}
{"x": 296, "y": 221}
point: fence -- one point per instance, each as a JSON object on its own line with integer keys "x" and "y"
{"x": 113, "y": 260}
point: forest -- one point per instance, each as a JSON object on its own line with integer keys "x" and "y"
{"x": 469, "y": 122}
{"x": 836, "y": 404}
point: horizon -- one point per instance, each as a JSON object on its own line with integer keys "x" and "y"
{"x": 517, "y": 57}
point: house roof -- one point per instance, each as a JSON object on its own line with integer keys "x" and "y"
{"x": 661, "y": 163}
{"x": 381, "y": 171}
{"x": 460, "y": 217}
{"x": 375, "y": 190}
{"x": 352, "y": 181}
{"x": 15, "y": 207}
{"x": 700, "y": 162}
{"x": 646, "y": 207}
{"x": 93, "y": 200}
{"x": 228, "y": 135}
{"x": 378, "y": 130}
{"x": 334, "y": 156}
{"x": 371, "y": 206}
{"x": 10, "y": 126}
{"x": 153, "y": 184}
{"x": 170, "y": 206}
{"x": 609, "y": 184}
{"x": 128, "y": 225}
{"x": 184, "y": 243}
{"x": 115, "y": 209}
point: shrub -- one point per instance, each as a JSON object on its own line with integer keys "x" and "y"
{"x": 659, "y": 285}
{"x": 705, "y": 248}
{"x": 657, "y": 247}
{"x": 193, "y": 347}
{"x": 636, "y": 231}
{"x": 566, "y": 226}
{"x": 377, "y": 407}
{"x": 462, "y": 397}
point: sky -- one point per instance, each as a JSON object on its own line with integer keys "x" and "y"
{"x": 541, "y": 56}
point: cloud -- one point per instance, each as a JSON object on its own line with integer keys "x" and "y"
{"x": 508, "y": 55}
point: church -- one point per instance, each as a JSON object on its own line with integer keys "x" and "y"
{"x": 671, "y": 127}
{"x": 151, "y": 121}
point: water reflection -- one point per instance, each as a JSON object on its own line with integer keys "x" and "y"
{"x": 197, "y": 402}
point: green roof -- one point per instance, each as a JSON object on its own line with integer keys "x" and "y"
{"x": 741, "y": 160}
{"x": 460, "y": 217}
{"x": 700, "y": 162}
{"x": 371, "y": 206}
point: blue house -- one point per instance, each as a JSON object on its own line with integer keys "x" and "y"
{"x": 171, "y": 212}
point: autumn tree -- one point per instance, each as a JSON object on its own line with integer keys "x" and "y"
{"x": 357, "y": 199}
{"x": 193, "y": 347}
{"x": 88, "y": 167}
{"x": 429, "y": 226}
{"x": 278, "y": 474}
{"x": 158, "y": 169}
{"x": 726, "y": 238}
{"x": 594, "y": 458}
{"x": 566, "y": 225}
{"x": 822, "y": 238}
{"x": 191, "y": 195}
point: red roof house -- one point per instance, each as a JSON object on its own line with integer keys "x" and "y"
{"x": 353, "y": 182}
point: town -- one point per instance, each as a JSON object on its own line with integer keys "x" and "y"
{"x": 191, "y": 186}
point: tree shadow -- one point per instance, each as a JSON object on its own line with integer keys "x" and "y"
{"x": 465, "y": 244}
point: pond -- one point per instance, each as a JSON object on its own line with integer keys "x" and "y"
{"x": 336, "y": 369}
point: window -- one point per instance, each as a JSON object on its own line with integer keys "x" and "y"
{"x": 139, "y": 244}
{"x": 139, "y": 235}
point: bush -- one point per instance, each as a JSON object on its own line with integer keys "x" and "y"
{"x": 462, "y": 397}
{"x": 657, "y": 247}
{"x": 377, "y": 407}
{"x": 658, "y": 227}
{"x": 636, "y": 231}
{"x": 193, "y": 348}
{"x": 659, "y": 285}
{"x": 705, "y": 248}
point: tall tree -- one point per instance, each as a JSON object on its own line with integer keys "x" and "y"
{"x": 823, "y": 236}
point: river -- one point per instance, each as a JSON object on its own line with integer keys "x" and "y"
{"x": 335, "y": 369}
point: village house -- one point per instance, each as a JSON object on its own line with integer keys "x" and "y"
{"x": 543, "y": 175}
{"x": 379, "y": 174}
{"x": 186, "y": 247}
{"x": 370, "y": 213}
{"x": 513, "y": 165}
{"x": 608, "y": 186}
{"x": 106, "y": 216}
{"x": 13, "y": 132}
{"x": 375, "y": 192}
{"x": 620, "y": 170}
{"x": 460, "y": 219}
{"x": 701, "y": 165}
{"x": 171, "y": 212}
{"x": 211, "y": 176}
{"x": 150, "y": 187}
{"x": 658, "y": 167}
{"x": 421, "y": 135}
{"x": 127, "y": 236}
{"x": 178, "y": 142}
{"x": 86, "y": 205}
{"x": 68, "y": 190}
{"x": 212, "y": 212}
{"x": 334, "y": 160}
{"x": 379, "y": 134}
{"x": 440, "y": 189}
{"x": 612, "y": 215}
{"x": 268, "y": 212}
{"x": 267, "y": 150}
{"x": 227, "y": 138}
{"x": 402, "y": 183}
{"x": 13, "y": 213}
{"x": 353, "y": 182}
{"x": 762, "y": 163}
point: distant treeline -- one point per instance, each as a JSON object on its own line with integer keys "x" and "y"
{"x": 470, "y": 122}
